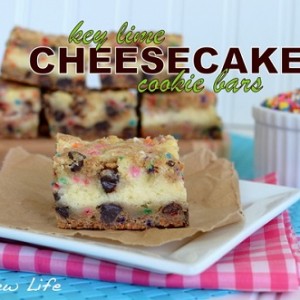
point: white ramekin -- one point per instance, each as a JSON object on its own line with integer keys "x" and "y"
{"x": 277, "y": 145}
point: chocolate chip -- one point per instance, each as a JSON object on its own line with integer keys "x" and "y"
{"x": 214, "y": 132}
{"x": 78, "y": 130}
{"x": 102, "y": 126}
{"x": 148, "y": 76}
{"x": 132, "y": 79}
{"x": 63, "y": 211}
{"x": 203, "y": 99}
{"x": 59, "y": 115}
{"x": 64, "y": 83}
{"x": 111, "y": 111}
{"x": 109, "y": 212}
{"x": 152, "y": 169}
{"x": 28, "y": 107}
{"x": 128, "y": 132}
{"x": 80, "y": 83}
{"x": 28, "y": 104}
{"x": 76, "y": 166}
{"x": 121, "y": 219}
{"x": 3, "y": 106}
{"x": 28, "y": 74}
{"x": 78, "y": 106}
{"x": 149, "y": 223}
{"x": 107, "y": 80}
{"x": 170, "y": 163}
{"x": 56, "y": 196}
{"x": 21, "y": 44}
{"x": 45, "y": 81}
{"x": 63, "y": 129}
{"x": 54, "y": 48}
{"x": 76, "y": 155}
{"x": 78, "y": 160}
{"x": 172, "y": 209}
{"x": 10, "y": 128}
{"x": 109, "y": 179}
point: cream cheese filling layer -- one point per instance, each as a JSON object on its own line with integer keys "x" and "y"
{"x": 205, "y": 117}
{"x": 138, "y": 192}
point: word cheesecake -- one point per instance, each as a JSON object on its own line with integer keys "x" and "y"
{"x": 144, "y": 52}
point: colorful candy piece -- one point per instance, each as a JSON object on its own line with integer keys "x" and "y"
{"x": 135, "y": 171}
{"x": 289, "y": 102}
{"x": 285, "y": 106}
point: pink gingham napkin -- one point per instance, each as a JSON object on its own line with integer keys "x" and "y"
{"x": 269, "y": 260}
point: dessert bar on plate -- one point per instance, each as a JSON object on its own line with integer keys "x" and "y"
{"x": 113, "y": 183}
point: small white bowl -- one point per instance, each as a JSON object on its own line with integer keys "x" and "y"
{"x": 277, "y": 144}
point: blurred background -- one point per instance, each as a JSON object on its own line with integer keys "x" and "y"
{"x": 220, "y": 24}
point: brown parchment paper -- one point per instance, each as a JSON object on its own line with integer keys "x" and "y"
{"x": 46, "y": 146}
{"x": 27, "y": 202}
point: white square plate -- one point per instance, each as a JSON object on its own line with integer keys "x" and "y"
{"x": 261, "y": 203}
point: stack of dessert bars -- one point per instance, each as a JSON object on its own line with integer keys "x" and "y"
{"x": 33, "y": 105}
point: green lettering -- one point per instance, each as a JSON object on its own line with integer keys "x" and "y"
{"x": 139, "y": 37}
{"x": 153, "y": 85}
{"x": 75, "y": 35}
{"x": 189, "y": 81}
{"x": 100, "y": 38}
{"x": 257, "y": 85}
{"x": 199, "y": 83}
{"x": 128, "y": 38}
{"x": 140, "y": 89}
{"x": 121, "y": 32}
{"x": 177, "y": 81}
{"x": 85, "y": 37}
{"x": 165, "y": 82}
{"x": 219, "y": 82}
{"x": 245, "y": 82}
{"x": 232, "y": 85}
{"x": 159, "y": 37}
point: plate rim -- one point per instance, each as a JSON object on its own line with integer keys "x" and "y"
{"x": 157, "y": 264}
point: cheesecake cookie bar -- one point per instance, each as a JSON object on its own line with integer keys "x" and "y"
{"x": 16, "y": 60}
{"x": 183, "y": 115}
{"x": 92, "y": 114}
{"x": 20, "y": 106}
{"x": 112, "y": 183}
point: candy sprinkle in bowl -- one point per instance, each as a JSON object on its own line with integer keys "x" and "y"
{"x": 277, "y": 137}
